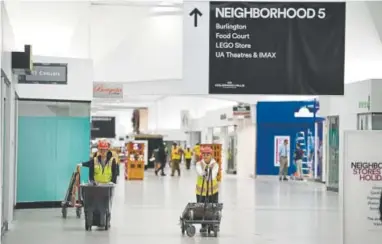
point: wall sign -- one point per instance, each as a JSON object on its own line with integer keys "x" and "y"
{"x": 362, "y": 176}
{"x": 107, "y": 90}
{"x": 265, "y": 47}
{"x": 46, "y": 73}
{"x": 242, "y": 110}
{"x": 103, "y": 127}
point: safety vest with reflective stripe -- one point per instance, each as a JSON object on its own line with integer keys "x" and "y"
{"x": 187, "y": 154}
{"x": 197, "y": 150}
{"x": 102, "y": 174}
{"x": 212, "y": 188}
{"x": 175, "y": 153}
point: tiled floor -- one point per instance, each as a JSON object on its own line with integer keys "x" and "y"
{"x": 262, "y": 211}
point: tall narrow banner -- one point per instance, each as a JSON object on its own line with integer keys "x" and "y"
{"x": 277, "y": 48}
{"x": 278, "y": 143}
{"x": 362, "y": 187}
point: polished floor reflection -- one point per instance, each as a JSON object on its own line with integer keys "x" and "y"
{"x": 262, "y": 211}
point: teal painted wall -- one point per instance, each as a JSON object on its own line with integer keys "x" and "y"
{"x": 49, "y": 149}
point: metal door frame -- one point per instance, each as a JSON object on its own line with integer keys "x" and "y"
{"x": 5, "y": 167}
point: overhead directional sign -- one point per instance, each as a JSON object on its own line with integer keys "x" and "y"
{"x": 196, "y": 13}
{"x": 264, "y": 47}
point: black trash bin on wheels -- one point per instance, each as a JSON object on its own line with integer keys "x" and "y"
{"x": 97, "y": 201}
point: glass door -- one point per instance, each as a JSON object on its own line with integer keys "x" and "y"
{"x": 333, "y": 153}
{"x": 232, "y": 148}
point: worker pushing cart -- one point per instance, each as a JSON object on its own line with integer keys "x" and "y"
{"x": 97, "y": 195}
{"x": 206, "y": 211}
{"x": 203, "y": 168}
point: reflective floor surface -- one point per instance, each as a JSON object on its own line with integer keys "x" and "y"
{"x": 261, "y": 211}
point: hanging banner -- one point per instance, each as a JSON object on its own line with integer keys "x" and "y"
{"x": 362, "y": 187}
{"x": 103, "y": 127}
{"x": 281, "y": 48}
{"x": 278, "y": 143}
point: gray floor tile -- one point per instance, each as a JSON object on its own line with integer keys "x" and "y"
{"x": 262, "y": 211}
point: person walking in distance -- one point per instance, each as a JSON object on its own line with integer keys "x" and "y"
{"x": 188, "y": 157}
{"x": 283, "y": 156}
{"x": 161, "y": 160}
{"x": 298, "y": 155}
{"x": 176, "y": 156}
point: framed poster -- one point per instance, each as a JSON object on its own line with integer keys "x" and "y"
{"x": 278, "y": 143}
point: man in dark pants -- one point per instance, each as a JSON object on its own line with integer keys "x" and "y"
{"x": 161, "y": 159}
{"x": 207, "y": 187}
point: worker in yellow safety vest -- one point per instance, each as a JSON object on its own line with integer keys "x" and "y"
{"x": 176, "y": 156}
{"x": 188, "y": 156}
{"x": 207, "y": 188}
{"x": 114, "y": 154}
{"x": 103, "y": 166}
{"x": 196, "y": 151}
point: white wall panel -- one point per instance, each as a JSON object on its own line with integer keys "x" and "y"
{"x": 165, "y": 114}
{"x": 363, "y": 48}
{"x": 130, "y": 43}
{"x": 79, "y": 87}
{"x": 47, "y": 25}
{"x": 8, "y": 43}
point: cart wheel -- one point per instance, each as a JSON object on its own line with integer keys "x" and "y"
{"x": 64, "y": 211}
{"x": 183, "y": 228}
{"x": 78, "y": 212}
{"x": 190, "y": 231}
{"x": 216, "y": 230}
{"x": 107, "y": 222}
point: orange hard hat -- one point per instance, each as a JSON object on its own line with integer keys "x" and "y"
{"x": 206, "y": 150}
{"x": 103, "y": 145}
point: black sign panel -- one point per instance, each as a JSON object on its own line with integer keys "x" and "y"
{"x": 46, "y": 73}
{"x": 277, "y": 48}
{"x": 103, "y": 127}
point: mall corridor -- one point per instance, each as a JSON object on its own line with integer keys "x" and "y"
{"x": 264, "y": 211}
